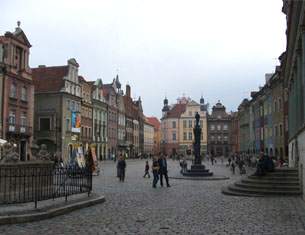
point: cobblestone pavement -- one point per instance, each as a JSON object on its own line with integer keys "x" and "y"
{"x": 188, "y": 207}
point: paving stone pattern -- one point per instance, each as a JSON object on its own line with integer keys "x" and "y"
{"x": 188, "y": 207}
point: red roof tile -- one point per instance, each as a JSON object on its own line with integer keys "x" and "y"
{"x": 155, "y": 122}
{"x": 176, "y": 111}
{"x": 81, "y": 79}
{"x": 48, "y": 79}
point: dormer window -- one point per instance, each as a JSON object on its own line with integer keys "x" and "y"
{"x": 13, "y": 90}
{"x": 23, "y": 93}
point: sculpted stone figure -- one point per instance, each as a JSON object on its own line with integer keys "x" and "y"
{"x": 8, "y": 153}
{"x": 197, "y": 117}
{"x": 43, "y": 153}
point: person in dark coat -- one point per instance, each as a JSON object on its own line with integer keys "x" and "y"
{"x": 146, "y": 170}
{"x": 163, "y": 170}
{"x": 155, "y": 168}
{"x": 122, "y": 167}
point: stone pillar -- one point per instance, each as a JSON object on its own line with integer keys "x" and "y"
{"x": 299, "y": 87}
{"x": 302, "y": 28}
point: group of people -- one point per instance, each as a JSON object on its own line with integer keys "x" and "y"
{"x": 265, "y": 164}
{"x": 183, "y": 165}
{"x": 159, "y": 167}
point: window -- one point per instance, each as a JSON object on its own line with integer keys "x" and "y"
{"x": 280, "y": 103}
{"x": 184, "y": 135}
{"x": 184, "y": 124}
{"x": 73, "y": 105}
{"x": 174, "y": 124}
{"x": 218, "y": 116}
{"x": 225, "y": 127}
{"x": 174, "y": 136}
{"x": 44, "y": 124}
{"x": 23, "y": 118}
{"x": 67, "y": 124}
{"x": 270, "y": 108}
{"x": 225, "y": 137}
{"x": 281, "y": 130}
{"x": 218, "y": 137}
{"x": 212, "y": 127}
{"x": 190, "y": 113}
{"x": 23, "y": 93}
{"x": 270, "y": 131}
{"x": 190, "y": 136}
{"x": 13, "y": 90}
{"x": 275, "y": 106}
{"x": 201, "y": 136}
{"x": 12, "y": 117}
{"x": 77, "y": 106}
{"x": 213, "y": 138}
{"x": 219, "y": 127}
{"x": 275, "y": 130}
{"x": 190, "y": 123}
{"x": 201, "y": 123}
{"x": 68, "y": 104}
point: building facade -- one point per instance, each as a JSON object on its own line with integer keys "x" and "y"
{"x": 58, "y": 96}
{"x": 157, "y": 134}
{"x": 86, "y": 114}
{"x": 187, "y": 123}
{"x": 17, "y": 91}
{"x": 219, "y": 132}
{"x": 99, "y": 119}
{"x": 148, "y": 137}
{"x": 293, "y": 71}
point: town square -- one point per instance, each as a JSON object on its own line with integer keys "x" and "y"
{"x": 152, "y": 117}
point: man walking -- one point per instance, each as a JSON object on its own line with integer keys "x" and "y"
{"x": 122, "y": 167}
{"x": 163, "y": 170}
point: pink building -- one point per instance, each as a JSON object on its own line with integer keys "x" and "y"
{"x": 18, "y": 91}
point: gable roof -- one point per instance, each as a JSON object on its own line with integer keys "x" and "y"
{"x": 155, "y": 122}
{"x": 176, "y": 111}
{"x": 48, "y": 79}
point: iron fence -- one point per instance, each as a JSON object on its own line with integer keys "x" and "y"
{"x": 21, "y": 184}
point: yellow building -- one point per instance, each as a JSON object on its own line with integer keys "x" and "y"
{"x": 187, "y": 122}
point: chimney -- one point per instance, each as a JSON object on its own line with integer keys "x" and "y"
{"x": 41, "y": 66}
{"x": 128, "y": 90}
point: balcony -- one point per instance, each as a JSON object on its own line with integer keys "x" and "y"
{"x": 19, "y": 129}
{"x": 45, "y": 134}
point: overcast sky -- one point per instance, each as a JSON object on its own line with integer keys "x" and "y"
{"x": 220, "y": 49}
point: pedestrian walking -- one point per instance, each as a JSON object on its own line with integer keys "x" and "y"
{"x": 229, "y": 160}
{"x": 212, "y": 160}
{"x": 155, "y": 170}
{"x": 233, "y": 167}
{"x": 122, "y": 166}
{"x": 184, "y": 165}
{"x": 222, "y": 158}
{"x": 163, "y": 170}
{"x": 147, "y": 170}
{"x": 118, "y": 170}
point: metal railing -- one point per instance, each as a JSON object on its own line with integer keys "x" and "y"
{"x": 22, "y": 184}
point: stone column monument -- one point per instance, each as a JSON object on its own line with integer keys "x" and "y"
{"x": 197, "y": 169}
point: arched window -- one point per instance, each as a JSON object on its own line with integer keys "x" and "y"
{"x": 23, "y": 93}
{"x": 13, "y": 90}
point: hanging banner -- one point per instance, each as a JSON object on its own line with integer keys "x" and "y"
{"x": 76, "y": 120}
{"x": 94, "y": 160}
